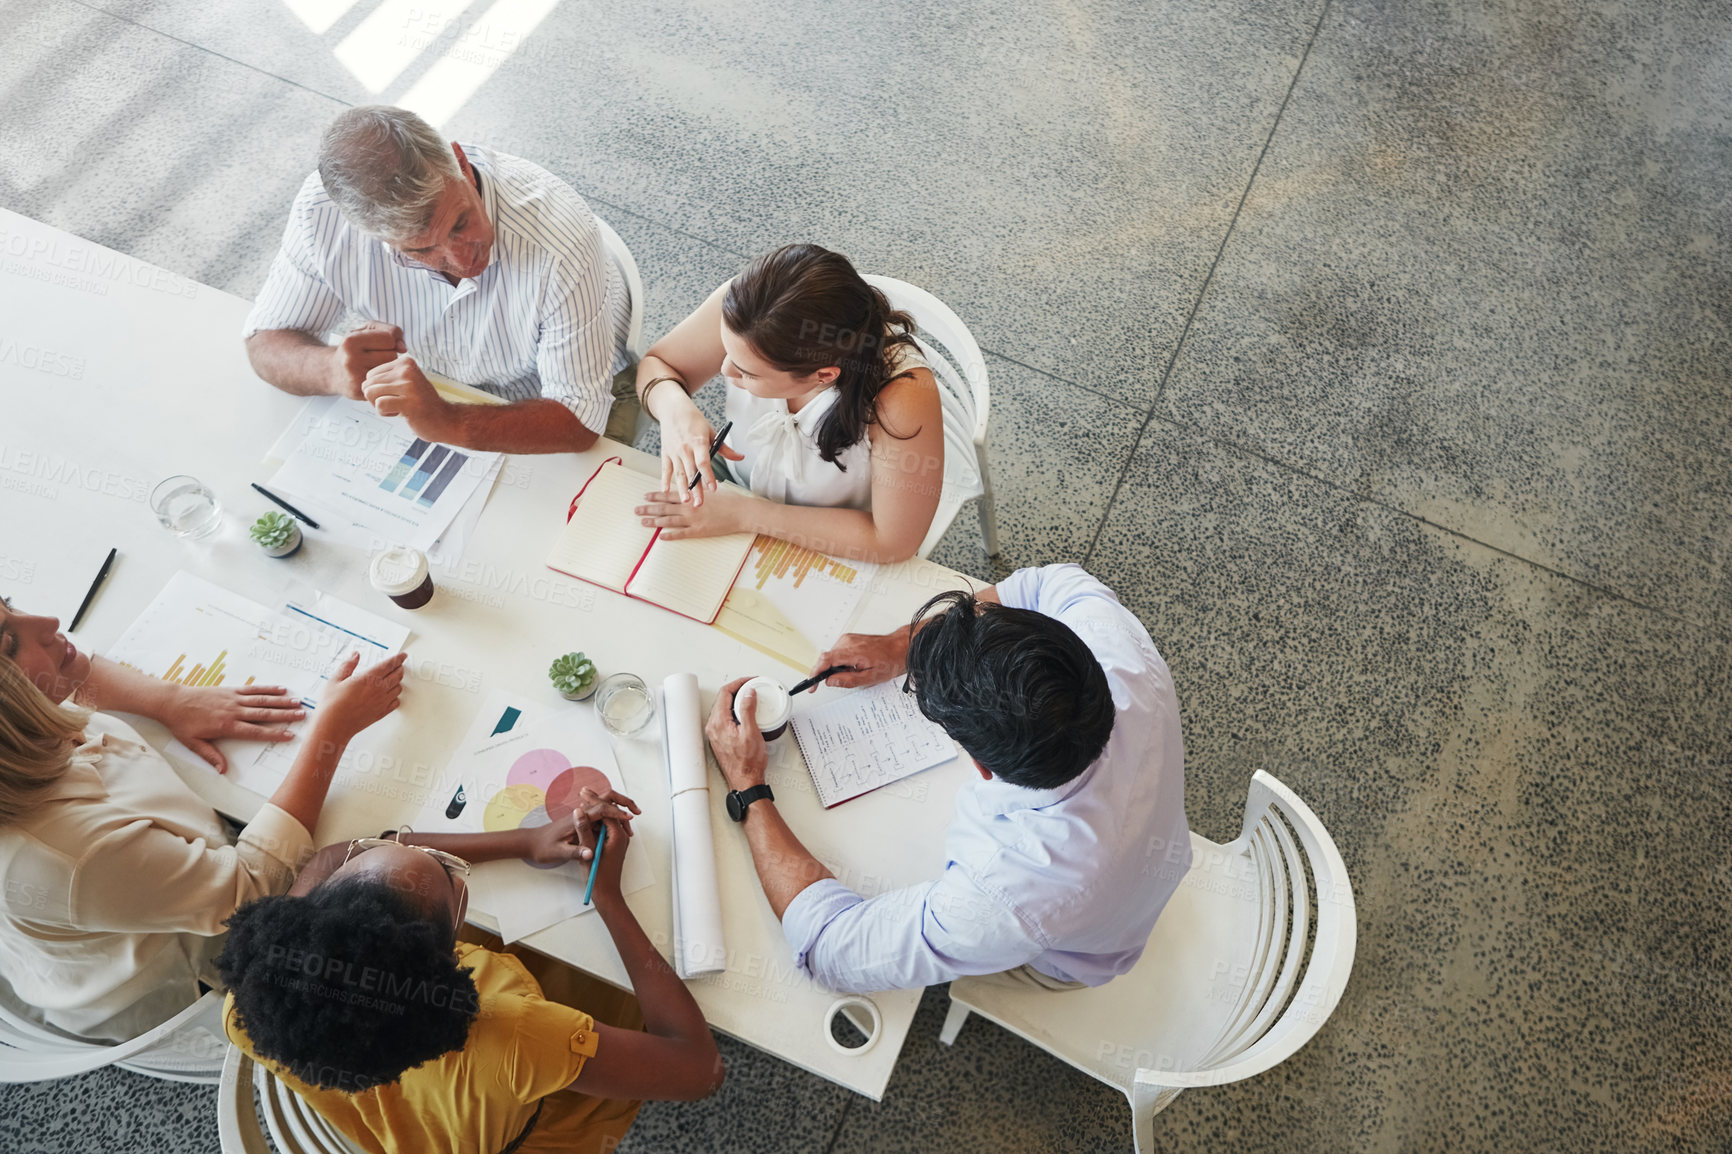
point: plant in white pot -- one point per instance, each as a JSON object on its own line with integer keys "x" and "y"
{"x": 573, "y": 675}
{"x": 277, "y": 534}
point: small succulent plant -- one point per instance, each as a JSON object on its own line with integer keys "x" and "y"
{"x": 573, "y": 675}
{"x": 274, "y": 530}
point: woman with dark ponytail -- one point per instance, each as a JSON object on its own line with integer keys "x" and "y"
{"x": 837, "y": 429}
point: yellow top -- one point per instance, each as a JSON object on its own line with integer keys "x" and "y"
{"x": 521, "y": 1048}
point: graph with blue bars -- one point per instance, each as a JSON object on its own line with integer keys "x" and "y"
{"x": 423, "y": 471}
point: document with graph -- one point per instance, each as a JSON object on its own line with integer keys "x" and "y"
{"x": 519, "y": 768}
{"x": 196, "y": 633}
{"x": 866, "y": 739}
{"x": 792, "y": 603}
{"x": 605, "y": 542}
{"x": 370, "y": 480}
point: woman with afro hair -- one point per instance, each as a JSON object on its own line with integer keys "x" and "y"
{"x": 354, "y": 989}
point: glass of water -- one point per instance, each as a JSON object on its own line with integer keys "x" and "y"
{"x": 624, "y": 704}
{"x": 185, "y": 507}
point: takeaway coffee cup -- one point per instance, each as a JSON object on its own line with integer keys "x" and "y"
{"x": 774, "y": 706}
{"x": 401, "y": 574}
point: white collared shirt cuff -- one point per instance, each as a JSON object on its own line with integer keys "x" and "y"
{"x": 590, "y": 410}
{"x": 812, "y": 909}
{"x": 1020, "y": 589}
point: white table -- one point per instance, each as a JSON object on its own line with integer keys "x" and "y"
{"x": 115, "y": 374}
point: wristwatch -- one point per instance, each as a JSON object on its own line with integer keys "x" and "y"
{"x": 740, "y": 800}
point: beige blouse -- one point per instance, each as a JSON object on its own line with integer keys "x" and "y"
{"x": 114, "y": 891}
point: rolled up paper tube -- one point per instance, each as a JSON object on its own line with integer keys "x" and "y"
{"x": 698, "y": 941}
{"x": 684, "y": 726}
{"x": 698, "y": 944}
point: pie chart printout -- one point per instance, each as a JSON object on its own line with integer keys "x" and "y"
{"x": 541, "y": 786}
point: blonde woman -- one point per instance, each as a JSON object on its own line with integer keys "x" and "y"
{"x": 115, "y": 879}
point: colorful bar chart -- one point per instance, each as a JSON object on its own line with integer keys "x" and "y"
{"x": 451, "y": 469}
{"x": 401, "y": 469}
{"x": 778, "y": 558}
{"x": 424, "y": 472}
{"x": 199, "y": 675}
{"x": 418, "y": 479}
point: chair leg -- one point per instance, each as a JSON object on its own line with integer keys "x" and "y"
{"x": 988, "y": 504}
{"x": 1147, "y": 1100}
{"x": 953, "y": 1022}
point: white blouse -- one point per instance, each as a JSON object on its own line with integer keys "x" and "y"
{"x": 114, "y": 890}
{"x": 781, "y": 448}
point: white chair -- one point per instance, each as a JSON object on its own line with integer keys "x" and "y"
{"x": 295, "y": 1127}
{"x": 1224, "y": 990}
{"x": 186, "y": 1048}
{"x": 635, "y": 345}
{"x": 961, "y": 374}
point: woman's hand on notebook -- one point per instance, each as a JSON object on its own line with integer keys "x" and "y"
{"x": 724, "y": 512}
{"x": 686, "y": 439}
{"x": 872, "y": 658}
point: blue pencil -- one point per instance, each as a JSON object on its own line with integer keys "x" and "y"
{"x": 595, "y": 865}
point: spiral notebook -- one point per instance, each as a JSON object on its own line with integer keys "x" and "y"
{"x": 866, "y": 740}
{"x": 605, "y": 543}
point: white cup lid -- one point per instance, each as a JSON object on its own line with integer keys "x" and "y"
{"x": 398, "y": 570}
{"x": 773, "y": 706}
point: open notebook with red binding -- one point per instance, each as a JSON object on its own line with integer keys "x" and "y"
{"x": 605, "y": 542}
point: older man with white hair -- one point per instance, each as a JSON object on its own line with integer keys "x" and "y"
{"x": 481, "y": 267}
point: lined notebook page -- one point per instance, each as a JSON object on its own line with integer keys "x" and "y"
{"x": 868, "y": 739}
{"x": 605, "y": 537}
{"x": 692, "y": 576}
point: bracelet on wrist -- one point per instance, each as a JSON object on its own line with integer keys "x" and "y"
{"x": 650, "y": 387}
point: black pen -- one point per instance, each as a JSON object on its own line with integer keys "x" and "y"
{"x": 101, "y": 576}
{"x": 802, "y": 686}
{"x": 715, "y": 447}
{"x": 290, "y": 509}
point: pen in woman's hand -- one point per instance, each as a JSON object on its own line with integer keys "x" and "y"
{"x": 715, "y": 447}
{"x": 595, "y": 865}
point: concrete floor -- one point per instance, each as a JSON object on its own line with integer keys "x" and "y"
{"x": 1376, "y": 353}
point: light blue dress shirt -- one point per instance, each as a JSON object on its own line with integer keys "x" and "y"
{"x": 546, "y": 318}
{"x": 1070, "y": 879}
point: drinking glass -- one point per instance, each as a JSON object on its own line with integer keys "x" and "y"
{"x": 186, "y": 507}
{"x": 624, "y": 704}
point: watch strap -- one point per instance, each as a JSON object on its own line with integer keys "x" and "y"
{"x": 745, "y": 798}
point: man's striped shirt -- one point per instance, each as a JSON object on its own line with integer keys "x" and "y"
{"x": 546, "y": 318}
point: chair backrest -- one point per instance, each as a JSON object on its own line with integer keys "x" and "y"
{"x": 964, "y": 393}
{"x": 295, "y": 1127}
{"x": 1280, "y": 1008}
{"x": 31, "y": 1052}
{"x": 237, "y": 1125}
{"x": 635, "y": 345}
{"x": 963, "y": 369}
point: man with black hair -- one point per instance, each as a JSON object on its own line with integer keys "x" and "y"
{"x": 1060, "y": 859}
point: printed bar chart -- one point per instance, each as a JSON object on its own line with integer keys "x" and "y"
{"x": 199, "y": 675}
{"x": 401, "y": 469}
{"x": 421, "y": 476}
{"x": 297, "y": 646}
{"x": 778, "y": 558}
{"x": 418, "y": 479}
{"x": 792, "y": 603}
{"x": 451, "y": 469}
{"x": 375, "y": 480}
